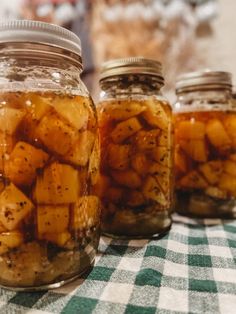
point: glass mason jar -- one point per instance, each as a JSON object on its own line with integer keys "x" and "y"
{"x": 49, "y": 217}
{"x": 205, "y": 145}
{"x": 135, "y": 123}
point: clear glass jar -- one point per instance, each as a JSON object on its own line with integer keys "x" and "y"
{"x": 135, "y": 123}
{"x": 49, "y": 216}
{"x": 205, "y": 145}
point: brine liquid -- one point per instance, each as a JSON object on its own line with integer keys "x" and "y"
{"x": 205, "y": 161}
{"x": 136, "y": 166}
{"x": 49, "y": 216}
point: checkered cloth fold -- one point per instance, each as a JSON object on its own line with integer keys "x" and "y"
{"x": 192, "y": 269}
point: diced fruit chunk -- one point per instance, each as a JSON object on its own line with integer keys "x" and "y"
{"x": 230, "y": 167}
{"x": 196, "y": 149}
{"x": 52, "y": 219}
{"x": 14, "y": 207}
{"x": 122, "y": 111}
{"x": 152, "y": 191}
{"x": 162, "y": 175}
{"x": 193, "y": 180}
{"x": 217, "y": 135}
{"x": 56, "y": 135}
{"x": 24, "y": 160}
{"x": 155, "y": 115}
{"x": 127, "y": 178}
{"x": 59, "y": 239}
{"x": 180, "y": 159}
{"x": 162, "y": 155}
{"x": 102, "y": 185}
{"x": 59, "y": 184}
{"x": 6, "y": 146}
{"x": 94, "y": 162}
{"x": 86, "y": 212}
{"x": 190, "y": 130}
{"x": 10, "y": 118}
{"x": 212, "y": 171}
{"x": 118, "y": 156}
{"x": 38, "y": 106}
{"x": 75, "y": 111}
{"x": 146, "y": 140}
{"x": 228, "y": 183}
{"x": 140, "y": 164}
{"x": 125, "y": 129}
{"x": 10, "y": 240}
{"x": 81, "y": 151}
{"x": 230, "y": 127}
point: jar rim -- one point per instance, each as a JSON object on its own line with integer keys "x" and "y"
{"x": 16, "y": 31}
{"x": 131, "y": 65}
{"x": 203, "y": 80}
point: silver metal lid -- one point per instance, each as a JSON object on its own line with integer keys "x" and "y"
{"x": 132, "y": 65}
{"x": 206, "y": 79}
{"x": 39, "y": 32}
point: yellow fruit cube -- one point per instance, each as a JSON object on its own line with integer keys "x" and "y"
{"x": 190, "y": 130}
{"x": 230, "y": 127}
{"x": 230, "y": 167}
{"x": 81, "y": 151}
{"x": 217, "y": 135}
{"x": 10, "y": 240}
{"x": 193, "y": 180}
{"x": 59, "y": 184}
{"x": 128, "y": 178}
{"x": 155, "y": 115}
{"x": 52, "y": 219}
{"x": 59, "y": 239}
{"x": 125, "y": 129}
{"x": 118, "y": 156}
{"x": 140, "y": 164}
{"x": 162, "y": 174}
{"x": 164, "y": 139}
{"x": 146, "y": 140}
{"x": 24, "y": 160}
{"x": 56, "y": 135}
{"x": 196, "y": 149}
{"x": 162, "y": 155}
{"x": 10, "y": 119}
{"x": 38, "y": 105}
{"x": 228, "y": 183}
{"x": 14, "y": 207}
{"x": 74, "y": 110}
{"x": 6, "y": 146}
{"x": 152, "y": 191}
{"x": 212, "y": 171}
{"x": 86, "y": 213}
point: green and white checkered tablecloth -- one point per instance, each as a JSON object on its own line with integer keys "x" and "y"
{"x": 190, "y": 270}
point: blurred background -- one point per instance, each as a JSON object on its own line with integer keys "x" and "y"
{"x": 184, "y": 35}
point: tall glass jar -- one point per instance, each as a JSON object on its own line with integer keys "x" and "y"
{"x": 135, "y": 123}
{"x": 49, "y": 217}
{"x": 205, "y": 145}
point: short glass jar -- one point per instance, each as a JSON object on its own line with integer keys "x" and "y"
{"x": 135, "y": 123}
{"x": 49, "y": 217}
{"x": 205, "y": 145}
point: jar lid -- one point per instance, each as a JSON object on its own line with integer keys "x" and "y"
{"x": 132, "y": 65}
{"x": 206, "y": 79}
{"x": 39, "y": 32}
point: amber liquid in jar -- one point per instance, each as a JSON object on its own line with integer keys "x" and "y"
{"x": 136, "y": 178}
{"x": 205, "y": 161}
{"x": 49, "y": 217}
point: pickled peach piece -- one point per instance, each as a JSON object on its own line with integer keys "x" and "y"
{"x": 193, "y": 180}
{"x": 118, "y": 156}
{"x": 230, "y": 167}
{"x": 162, "y": 155}
{"x": 52, "y": 219}
{"x": 127, "y": 178}
{"x": 228, "y": 183}
{"x": 212, "y": 171}
{"x": 162, "y": 175}
{"x": 24, "y": 160}
{"x": 152, "y": 191}
{"x": 114, "y": 194}
{"x": 146, "y": 140}
{"x": 135, "y": 198}
{"x": 74, "y": 110}
{"x": 14, "y": 207}
{"x": 140, "y": 164}
{"x": 164, "y": 139}
{"x": 230, "y": 127}
{"x": 121, "y": 110}
{"x": 125, "y": 129}
{"x": 10, "y": 118}
{"x": 56, "y": 135}
{"x": 155, "y": 115}
{"x": 215, "y": 192}
{"x": 85, "y": 213}
{"x": 38, "y": 106}
{"x": 59, "y": 184}
{"x": 6, "y": 146}
{"x": 190, "y": 130}
{"x": 59, "y": 239}
{"x": 196, "y": 149}
{"x": 10, "y": 240}
{"x": 180, "y": 159}
{"x": 81, "y": 151}
{"x": 217, "y": 135}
